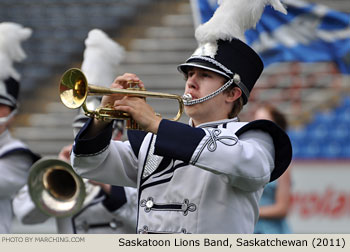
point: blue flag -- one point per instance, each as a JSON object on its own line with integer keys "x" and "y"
{"x": 203, "y": 10}
{"x": 309, "y": 33}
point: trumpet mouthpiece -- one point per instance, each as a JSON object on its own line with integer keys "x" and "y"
{"x": 187, "y": 97}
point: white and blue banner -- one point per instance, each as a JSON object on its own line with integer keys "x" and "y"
{"x": 309, "y": 33}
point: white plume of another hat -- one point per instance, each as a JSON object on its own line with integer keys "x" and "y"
{"x": 102, "y": 56}
{"x": 232, "y": 18}
{"x": 11, "y": 51}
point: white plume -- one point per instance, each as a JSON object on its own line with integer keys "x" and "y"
{"x": 102, "y": 56}
{"x": 232, "y": 18}
{"x": 11, "y": 51}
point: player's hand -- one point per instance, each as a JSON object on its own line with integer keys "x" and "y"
{"x": 140, "y": 111}
{"x": 120, "y": 82}
{"x": 65, "y": 153}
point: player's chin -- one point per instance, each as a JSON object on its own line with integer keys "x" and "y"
{"x": 190, "y": 110}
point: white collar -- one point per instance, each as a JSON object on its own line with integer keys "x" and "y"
{"x": 214, "y": 123}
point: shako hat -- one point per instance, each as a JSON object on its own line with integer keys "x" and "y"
{"x": 221, "y": 43}
{"x": 9, "y": 90}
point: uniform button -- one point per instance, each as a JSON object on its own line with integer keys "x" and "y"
{"x": 113, "y": 224}
{"x": 149, "y": 204}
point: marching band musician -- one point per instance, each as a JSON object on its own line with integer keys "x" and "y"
{"x": 107, "y": 208}
{"x": 113, "y": 209}
{"x": 208, "y": 176}
{"x": 15, "y": 157}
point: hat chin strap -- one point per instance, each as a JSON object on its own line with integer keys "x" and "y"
{"x": 187, "y": 98}
{"x": 5, "y": 119}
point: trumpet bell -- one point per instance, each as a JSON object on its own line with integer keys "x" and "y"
{"x": 55, "y": 188}
{"x": 73, "y": 88}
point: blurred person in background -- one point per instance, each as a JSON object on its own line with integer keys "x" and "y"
{"x": 113, "y": 209}
{"x": 15, "y": 157}
{"x": 106, "y": 208}
{"x": 275, "y": 200}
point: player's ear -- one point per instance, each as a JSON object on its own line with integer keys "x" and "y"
{"x": 233, "y": 94}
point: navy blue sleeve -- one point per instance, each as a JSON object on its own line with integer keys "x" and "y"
{"x": 92, "y": 145}
{"x": 281, "y": 141}
{"x": 34, "y": 156}
{"x": 177, "y": 140}
{"x": 116, "y": 198}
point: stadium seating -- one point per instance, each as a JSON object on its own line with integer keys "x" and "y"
{"x": 59, "y": 29}
{"x": 326, "y": 136}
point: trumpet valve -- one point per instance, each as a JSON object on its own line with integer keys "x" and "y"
{"x": 134, "y": 85}
{"x": 132, "y": 124}
{"x": 108, "y": 113}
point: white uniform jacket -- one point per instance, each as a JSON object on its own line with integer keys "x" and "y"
{"x": 15, "y": 162}
{"x": 207, "y": 179}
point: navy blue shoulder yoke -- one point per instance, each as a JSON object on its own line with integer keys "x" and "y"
{"x": 281, "y": 141}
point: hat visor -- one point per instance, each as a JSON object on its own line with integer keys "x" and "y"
{"x": 203, "y": 65}
{"x": 7, "y": 102}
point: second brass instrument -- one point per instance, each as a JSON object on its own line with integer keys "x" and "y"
{"x": 55, "y": 188}
{"x": 74, "y": 90}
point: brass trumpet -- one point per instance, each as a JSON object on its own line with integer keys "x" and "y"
{"x": 74, "y": 90}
